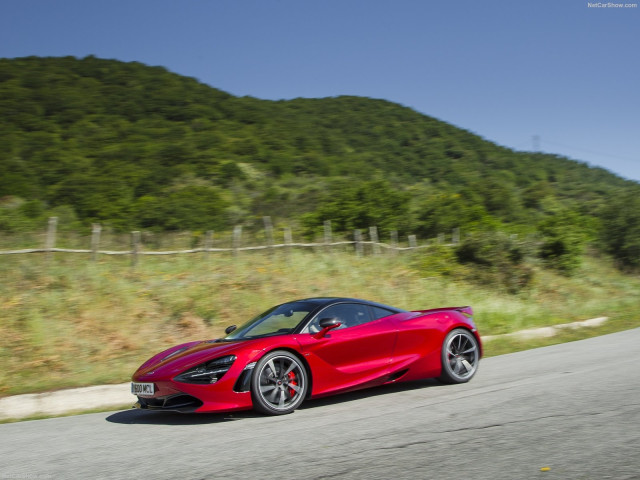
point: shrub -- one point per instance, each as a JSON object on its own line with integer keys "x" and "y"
{"x": 496, "y": 259}
{"x": 564, "y": 236}
{"x": 620, "y": 233}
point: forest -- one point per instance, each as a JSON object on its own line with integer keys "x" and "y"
{"x": 132, "y": 146}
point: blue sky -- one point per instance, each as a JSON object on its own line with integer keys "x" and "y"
{"x": 507, "y": 70}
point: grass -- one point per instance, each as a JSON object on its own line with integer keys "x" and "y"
{"x": 70, "y": 322}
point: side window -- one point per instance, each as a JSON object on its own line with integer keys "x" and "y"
{"x": 381, "y": 312}
{"x": 350, "y": 315}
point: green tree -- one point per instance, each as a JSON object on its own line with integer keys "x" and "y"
{"x": 620, "y": 233}
{"x": 359, "y": 205}
{"x": 442, "y": 212}
{"x": 564, "y": 236}
{"x": 496, "y": 258}
{"x": 194, "y": 208}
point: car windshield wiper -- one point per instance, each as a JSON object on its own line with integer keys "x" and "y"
{"x": 270, "y": 334}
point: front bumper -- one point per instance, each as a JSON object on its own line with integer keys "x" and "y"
{"x": 188, "y": 398}
{"x": 176, "y": 403}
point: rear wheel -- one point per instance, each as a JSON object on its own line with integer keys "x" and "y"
{"x": 460, "y": 356}
{"x": 279, "y": 383}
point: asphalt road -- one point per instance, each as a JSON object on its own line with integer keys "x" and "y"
{"x": 569, "y": 411}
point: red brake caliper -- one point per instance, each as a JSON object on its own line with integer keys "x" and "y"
{"x": 292, "y": 381}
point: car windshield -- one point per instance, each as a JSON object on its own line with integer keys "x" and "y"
{"x": 278, "y": 320}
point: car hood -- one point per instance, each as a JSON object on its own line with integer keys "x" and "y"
{"x": 187, "y": 355}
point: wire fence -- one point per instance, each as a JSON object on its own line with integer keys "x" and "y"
{"x": 360, "y": 245}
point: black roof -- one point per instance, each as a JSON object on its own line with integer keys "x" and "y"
{"x": 325, "y": 301}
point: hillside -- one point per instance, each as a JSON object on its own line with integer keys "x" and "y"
{"x": 133, "y": 146}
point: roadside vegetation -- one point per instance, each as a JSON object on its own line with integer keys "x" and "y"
{"x": 70, "y": 322}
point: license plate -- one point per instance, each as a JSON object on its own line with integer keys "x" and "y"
{"x": 143, "y": 389}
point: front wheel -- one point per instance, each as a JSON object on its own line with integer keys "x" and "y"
{"x": 460, "y": 356}
{"x": 278, "y": 383}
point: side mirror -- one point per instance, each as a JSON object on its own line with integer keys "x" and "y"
{"x": 230, "y": 329}
{"x": 327, "y": 324}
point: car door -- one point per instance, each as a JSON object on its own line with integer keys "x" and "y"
{"x": 355, "y": 355}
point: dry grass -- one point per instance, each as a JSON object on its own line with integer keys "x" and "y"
{"x": 70, "y": 322}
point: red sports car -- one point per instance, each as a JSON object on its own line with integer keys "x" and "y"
{"x": 308, "y": 349}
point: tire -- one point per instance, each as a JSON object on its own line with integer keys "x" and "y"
{"x": 460, "y": 356}
{"x": 278, "y": 383}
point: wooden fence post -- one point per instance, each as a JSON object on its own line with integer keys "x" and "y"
{"x": 237, "y": 238}
{"x": 373, "y": 233}
{"x": 135, "y": 247}
{"x": 51, "y": 236}
{"x": 413, "y": 241}
{"x": 441, "y": 238}
{"x": 328, "y": 234}
{"x": 96, "y": 229}
{"x": 288, "y": 240}
{"x": 208, "y": 243}
{"x": 394, "y": 242}
{"x": 268, "y": 230}
{"x": 455, "y": 236}
{"x": 357, "y": 236}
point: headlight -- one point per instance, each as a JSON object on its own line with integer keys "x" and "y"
{"x": 208, "y": 372}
